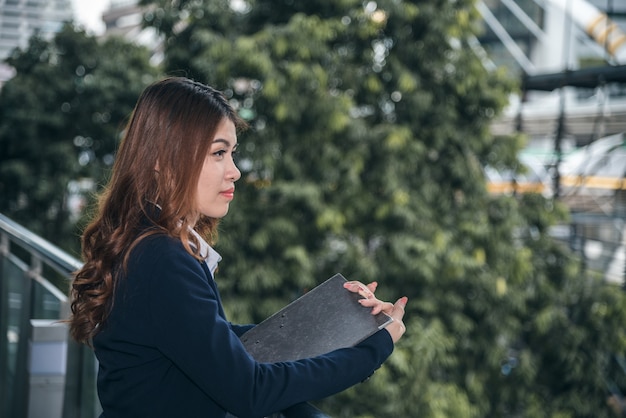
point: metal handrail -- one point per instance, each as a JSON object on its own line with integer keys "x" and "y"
{"x": 51, "y": 255}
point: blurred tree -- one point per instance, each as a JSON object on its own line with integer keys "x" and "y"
{"x": 60, "y": 119}
{"x": 370, "y": 128}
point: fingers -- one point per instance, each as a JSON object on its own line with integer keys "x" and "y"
{"x": 387, "y": 307}
{"x": 367, "y": 293}
{"x": 361, "y": 289}
{"x": 399, "y": 308}
{"x": 397, "y": 329}
{"x": 395, "y": 310}
{"x": 372, "y": 286}
{"x": 377, "y": 305}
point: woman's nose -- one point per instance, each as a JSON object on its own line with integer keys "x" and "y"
{"x": 234, "y": 174}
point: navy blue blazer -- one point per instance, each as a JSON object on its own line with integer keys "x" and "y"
{"x": 167, "y": 349}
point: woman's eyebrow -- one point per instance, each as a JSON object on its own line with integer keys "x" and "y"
{"x": 225, "y": 142}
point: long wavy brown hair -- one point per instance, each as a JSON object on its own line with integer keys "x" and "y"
{"x": 158, "y": 163}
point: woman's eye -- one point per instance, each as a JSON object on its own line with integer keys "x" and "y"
{"x": 220, "y": 153}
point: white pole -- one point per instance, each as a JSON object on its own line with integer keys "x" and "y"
{"x": 597, "y": 25}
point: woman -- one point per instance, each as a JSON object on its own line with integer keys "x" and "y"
{"x": 145, "y": 297}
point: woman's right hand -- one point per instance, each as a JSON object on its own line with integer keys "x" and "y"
{"x": 396, "y": 328}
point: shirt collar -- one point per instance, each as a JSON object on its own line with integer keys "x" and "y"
{"x": 211, "y": 257}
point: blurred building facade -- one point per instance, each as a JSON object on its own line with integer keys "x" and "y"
{"x": 20, "y": 19}
{"x": 570, "y": 56}
{"x": 125, "y": 18}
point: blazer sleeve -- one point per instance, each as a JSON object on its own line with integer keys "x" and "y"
{"x": 239, "y": 330}
{"x": 189, "y": 330}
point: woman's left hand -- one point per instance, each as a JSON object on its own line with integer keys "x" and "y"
{"x": 369, "y": 299}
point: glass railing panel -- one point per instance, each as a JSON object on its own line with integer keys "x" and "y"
{"x": 81, "y": 398}
{"x": 46, "y": 301}
{"x": 14, "y": 337}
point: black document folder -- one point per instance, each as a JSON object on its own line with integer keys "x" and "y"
{"x": 324, "y": 319}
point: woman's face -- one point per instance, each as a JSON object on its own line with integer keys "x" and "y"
{"x": 216, "y": 185}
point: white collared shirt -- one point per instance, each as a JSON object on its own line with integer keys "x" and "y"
{"x": 211, "y": 257}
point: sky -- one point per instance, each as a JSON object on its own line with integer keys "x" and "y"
{"x": 89, "y": 13}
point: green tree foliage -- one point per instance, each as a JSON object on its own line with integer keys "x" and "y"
{"x": 60, "y": 119}
{"x": 369, "y": 131}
